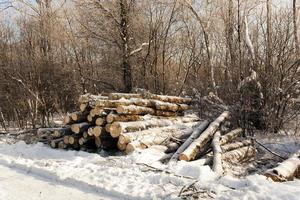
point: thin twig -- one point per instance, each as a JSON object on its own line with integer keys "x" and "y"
{"x": 274, "y": 153}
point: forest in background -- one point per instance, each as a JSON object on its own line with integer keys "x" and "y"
{"x": 51, "y": 51}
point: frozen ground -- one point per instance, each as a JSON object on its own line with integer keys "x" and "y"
{"x": 38, "y": 172}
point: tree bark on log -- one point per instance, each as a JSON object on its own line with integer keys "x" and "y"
{"x": 171, "y": 99}
{"x": 217, "y": 152}
{"x": 134, "y": 110}
{"x": 160, "y": 105}
{"x": 231, "y": 136}
{"x": 86, "y": 98}
{"x": 239, "y": 155}
{"x": 117, "y": 128}
{"x": 174, "y": 131}
{"x": 235, "y": 145}
{"x": 195, "y": 134}
{"x": 123, "y": 118}
{"x": 191, "y": 152}
{"x": 117, "y": 96}
{"x": 287, "y": 170}
{"x": 124, "y": 102}
{"x": 164, "y": 113}
{"x": 80, "y": 128}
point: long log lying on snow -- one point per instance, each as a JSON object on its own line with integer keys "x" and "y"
{"x": 156, "y": 136}
{"x": 287, "y": 170}
{"x": 217, "y": 152}
{"x": 169, "y": 131}
{"x": 191, "y": 152}
{"x": 239, "y": 155}
{"x": 235, "y": 145}
{"x": 228, "y": 137}
{"x": 134, "y": 110}
{"x": 195, "y": 134}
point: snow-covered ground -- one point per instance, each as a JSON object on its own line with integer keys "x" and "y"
{"x": 39, "y": 172}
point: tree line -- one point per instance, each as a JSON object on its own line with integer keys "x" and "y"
{"x": 51, "y": 51}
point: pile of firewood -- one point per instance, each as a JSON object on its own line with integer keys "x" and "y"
{"x": 122, "y": 121}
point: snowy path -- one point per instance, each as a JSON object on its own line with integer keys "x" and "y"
{"x": 39, "y": 172}
{"x": 16, "y": 184}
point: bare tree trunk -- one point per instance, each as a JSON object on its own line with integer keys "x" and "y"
{"x": 295, "y": 16}
{"x": 124, "y": 24}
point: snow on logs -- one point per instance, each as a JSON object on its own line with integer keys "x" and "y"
{"x": 117, "y": 119}
{"x": 287, "y": 170}
{"x": 191, "y": 152}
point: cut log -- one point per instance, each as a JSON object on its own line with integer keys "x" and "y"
{"x": 242, "y": 154}
{"x": 90, "y": 131}
{"x": 107, "y": 128}
{"x": 73, "y": 140}
{"x": 91, "y": 98}
{"x": 68, "y": 120}
{"x": 132, "y": 146}
{"x": 134, "y": 110}
{"x": 231, "y": 136}
{"x": 122, "y": 118}
{"x": 164, "y": 113}
{"x": 191, "y": 152}
{"x": 235, "y": 145}
{"x": 171, "y": 147}
{"x": 54, "y": 143}
{"x": 160, "y": 105}
{"x": 97, "y": 131}
{"x": 100, "y": 121}
{"x": 62, "y": 131}
{"x": 62, "y": 145}
{"x": 195, "y": 134}
{"x": 98, "y": 142}
{"x": 66, "y": 139}
{"x": 80, "y": 128}
{"x": 124, "y": 102}
{"x": 117, "y": 96}
{"x": 171, "y": 99}
{"x": 117, "y": 128}
{"x": 217, "y": 152}
{"x": 121, "y": 146}
{"x": 79, "y": 116}
{"x": 98, "y": 112}
{"x": 287, "y": 170}
{"x": 169, "y": 131}
{"x": 85, "y": 134}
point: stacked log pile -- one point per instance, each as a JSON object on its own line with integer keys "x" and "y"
{"x": 122, "y": 121}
